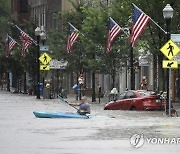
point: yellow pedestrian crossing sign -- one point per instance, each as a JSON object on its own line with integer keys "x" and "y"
{"x": 170, "y": 64}
{"x": 170, "y": 49}
{"x": 45, "y": 58}
{"x": 44, "y": 67}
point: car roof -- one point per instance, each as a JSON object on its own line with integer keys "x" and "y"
{"x": 143, "y": 92}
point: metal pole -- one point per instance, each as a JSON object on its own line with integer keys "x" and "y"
{"x": 38, "y": 68}
{"x": 25, "y": 88}
{"x": 168, "y": 71}
{"x": 8, "y": 82}
{"x": 167, "y": 99}
{"x": 157, "y": 74}
{"x": 8, "y": 79}
{"x": 132, "y": 68}
{"x": 93, "y": 87}
{"x": 93, "y": 83}
{"x": 169, "y": 92}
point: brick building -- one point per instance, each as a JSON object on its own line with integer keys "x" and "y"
{"x": 20, "y": 10}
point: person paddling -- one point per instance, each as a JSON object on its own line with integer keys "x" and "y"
{"x": 84, "y": 106}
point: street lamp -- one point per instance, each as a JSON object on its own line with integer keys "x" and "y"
{"x": 132, "y": 75}
{"x": 43, "y": 37}
{"x": 168, "y": 14}
{"x": 37, "y": 33}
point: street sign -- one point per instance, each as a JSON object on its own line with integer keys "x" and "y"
{"x": 44, "y": 58}
{"x": 144, "y": 61}
{"x": 170, "y": 64}
{"x": 177, "y": 58}
{"x": 44, "y": 67}
{"x": 55, "y": 64}
{"x": 176, "y": 39}
{"x": 170, "y": 49}
{"x": 44, "y": 48}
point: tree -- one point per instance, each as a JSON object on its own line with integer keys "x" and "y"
{"x": 91, "y": 19}
{"x": 154, "y": 37}
{"x": 4, "y": 16}
{"x": 17, "y": 64}
{"x": 58, "y": 37}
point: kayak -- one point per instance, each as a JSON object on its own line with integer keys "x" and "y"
{"x": 59, "y": 115}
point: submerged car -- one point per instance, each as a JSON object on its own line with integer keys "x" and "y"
{"x": 140, "y": 100}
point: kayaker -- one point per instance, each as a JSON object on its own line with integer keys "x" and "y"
{"x": 84, "y": 106}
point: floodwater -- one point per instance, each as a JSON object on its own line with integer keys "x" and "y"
{"x": 108, "y": 132}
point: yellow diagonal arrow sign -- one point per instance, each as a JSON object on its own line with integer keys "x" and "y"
{"x": 170, "y": 64}
{"x": 44, "y": 67}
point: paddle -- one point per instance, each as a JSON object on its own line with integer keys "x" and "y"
{"x": 62, "y": 99}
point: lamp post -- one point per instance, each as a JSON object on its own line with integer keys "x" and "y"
{"x": 168, "y": 14}
{"x": 37, "y": 33}
{"x": 132, "y": 68}
{"x": 43, "y": 37}
{"x": 127, "y": 31}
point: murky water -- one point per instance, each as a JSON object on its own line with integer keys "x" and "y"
{"x": 108, "y": 132}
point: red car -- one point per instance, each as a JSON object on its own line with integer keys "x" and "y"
{"x": 137, "y": 100}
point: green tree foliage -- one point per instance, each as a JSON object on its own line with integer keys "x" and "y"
{"x": 4, "y": 18}
{"x": 27, "y": 63}
{"x": 4, "y": 15}
{"x": 58, "y": 38}
{"x": 91, "y": 19}
{"x": 16, "y": 63}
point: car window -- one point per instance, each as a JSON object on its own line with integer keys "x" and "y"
{"x": 147, "y": 93}
{"x": 122, "y": 96}
{"x": 130, "y": 94}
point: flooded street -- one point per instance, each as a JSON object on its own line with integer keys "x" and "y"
{"x": 108, "y": 132}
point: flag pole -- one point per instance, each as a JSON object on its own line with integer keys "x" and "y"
{"x": 120, "y": 27}
{"x": 151, "y": 20}
{"x": 158, "y": 25}
{"x": 73, "y": 26}
{"x": 125, "y": 32}
{"x": 13, "y": 39}
{"x": 27, "y": 35}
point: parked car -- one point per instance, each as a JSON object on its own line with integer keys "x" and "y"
{"x": 137, "y": 100}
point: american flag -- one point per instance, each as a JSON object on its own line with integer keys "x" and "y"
{"x": 114, "y": 31}
{"x": 10, "y": 44}
{"x": 72, "y": 37}
{"x": 25, "y": 39}
{"x": 140, "y": 21}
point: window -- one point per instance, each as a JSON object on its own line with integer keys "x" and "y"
{"x": 122, "y": 96}
{"x": 23, "y": 6}
{"x": 130, "y": 95}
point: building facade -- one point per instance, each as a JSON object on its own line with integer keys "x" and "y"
{"x": 20, "y": 10}
{"x": 42, "y": 11}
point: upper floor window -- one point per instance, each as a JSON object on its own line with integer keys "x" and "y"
{"x": 23, "y": 6}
